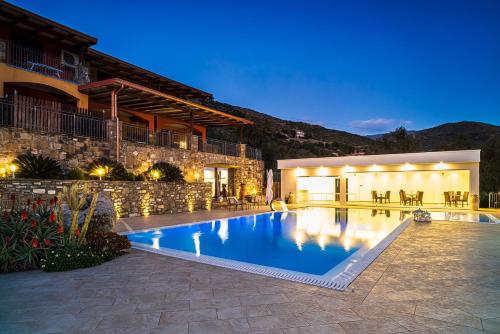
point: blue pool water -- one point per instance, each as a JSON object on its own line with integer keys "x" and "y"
{"x": 312, "y": 240}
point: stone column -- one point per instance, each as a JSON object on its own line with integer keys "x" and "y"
{"x": 113, "y": 139}
{"x": 242, "y": 150}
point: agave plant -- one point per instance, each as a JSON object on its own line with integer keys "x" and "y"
{"x": 32, "y": 166}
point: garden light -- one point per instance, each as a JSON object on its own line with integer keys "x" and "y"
{"x": 155, "y": 175}
{"x": 100, "y": 172}
{"x": 13, "y": 169}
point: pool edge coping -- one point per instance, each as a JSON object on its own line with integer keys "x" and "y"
{"x": 338, "y": 278}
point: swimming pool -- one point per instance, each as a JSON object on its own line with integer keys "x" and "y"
{"x": 321, "y": 246}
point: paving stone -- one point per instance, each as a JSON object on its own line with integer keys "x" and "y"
{"x": 270, "y": 322}
{"x": 381, "y": 325}
{"x": 322, "y": 329}
{"x": 219, "y": 326}
{"x": 187, "y": 316}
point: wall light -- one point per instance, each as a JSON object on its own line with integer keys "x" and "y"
{"x": 299, "y": 171}
{"x": 407, "y": 166}
{"x": 375, "y": 168}
{"x": 440, "y": 166}
{"x": 348, "y": 169}
{"x": 197, "y": 176}
{"x": 322, "y": 171}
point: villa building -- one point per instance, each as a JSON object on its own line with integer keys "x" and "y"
{"x": 384, "y": 178}
{"x": 62, "y": 98}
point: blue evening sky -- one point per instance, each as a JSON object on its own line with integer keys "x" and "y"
{"x": 361, "y": 66}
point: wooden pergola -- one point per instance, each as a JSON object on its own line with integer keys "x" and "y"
{"x": 118, "y": 92}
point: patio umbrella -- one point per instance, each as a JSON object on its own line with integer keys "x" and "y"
{"x": 269, "y": 188}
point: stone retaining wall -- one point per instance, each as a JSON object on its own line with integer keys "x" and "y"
{"x": 129, "y": 198}
{"x": 80, "y": 151}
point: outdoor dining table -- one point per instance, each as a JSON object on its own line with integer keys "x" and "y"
{"x": 412, "y": 196}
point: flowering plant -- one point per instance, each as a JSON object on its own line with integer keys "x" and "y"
{"x": 27, "y": 232}
{"x": 32, "y": 234}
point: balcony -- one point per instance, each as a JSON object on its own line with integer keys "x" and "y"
{"x": 165, "y": 138}
{"x": 33, "y": 60}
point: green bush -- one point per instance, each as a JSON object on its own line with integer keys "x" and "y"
{"x": 108, "y": 243}
{"x": 32, "y": 166}
{"x": 71, "y": 256}
{"x": 115, "y": 171}
{"x": 166, "y": 172}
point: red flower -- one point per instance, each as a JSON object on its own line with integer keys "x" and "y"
{"x": 46, "y": 242}
{"x": 34, "y": 243}
{"x": 77, "y": 232}
{"x": 34, "y": 223}
{"x": 52, "y": 217}
{"x": 51, "y": 202}
{"x": 13, "y": 197}
{"x": 24, "y": 215}
{"x": 60, "y": 229}
{"x": 39, "y": 201}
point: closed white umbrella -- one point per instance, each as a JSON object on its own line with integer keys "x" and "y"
{"x": 269, "y": 188}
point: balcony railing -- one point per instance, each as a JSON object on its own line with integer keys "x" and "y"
{"x": 219, "y": 147}
{"x": 165, "y": 138}
{"x": 36, "y": 61}
{"x": 253, "y": 153}
{"x": 42, "y": 119}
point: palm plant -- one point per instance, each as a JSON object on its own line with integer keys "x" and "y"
{"x": 32, "y": 166}
{"x": 164, "y": 171}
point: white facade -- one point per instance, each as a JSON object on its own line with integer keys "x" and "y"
{"x": 353, "y": 178}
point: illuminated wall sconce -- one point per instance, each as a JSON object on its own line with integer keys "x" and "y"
{"x": 440, "y": 166}
{"x": 197, "y": 176}
{"x": 375, "y": 168}
{"x": 299, "y": 171}
{"x": 407, "y": 167}
{"x": 322, "y": 171}
{"x": 3, "y": 172}
{"x": 348, "y": 169}
{"x": 13, "y": 169}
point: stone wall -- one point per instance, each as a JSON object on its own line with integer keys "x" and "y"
{"x": 129, "y": 198}
{"x": 80, "y": 151}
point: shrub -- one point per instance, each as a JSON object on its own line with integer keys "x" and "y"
{"x": 75, "y": 174}
{"x": 69, "y": 257}
{"x": 32, "y": 166}
{"x": 108, "y": 243}
{"x": 114, "y": 170}
{"x": 166, "y": 172}
{"x": 26, "y": 233}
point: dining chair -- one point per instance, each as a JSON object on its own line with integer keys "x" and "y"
{"x": 420, "y": 197}
{"x": 387, "y": 197}
{"x": 403, "y": 199}
{"x": 374, "y": 196}
{"x": 465, "y": 198}
{"x": 447, "y": 198}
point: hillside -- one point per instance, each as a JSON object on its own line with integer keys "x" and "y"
{"x": 278, "y": 138}
{"x": 452, "y": 136}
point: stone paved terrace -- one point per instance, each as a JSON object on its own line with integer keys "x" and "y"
{"x": 438, "y": 278}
